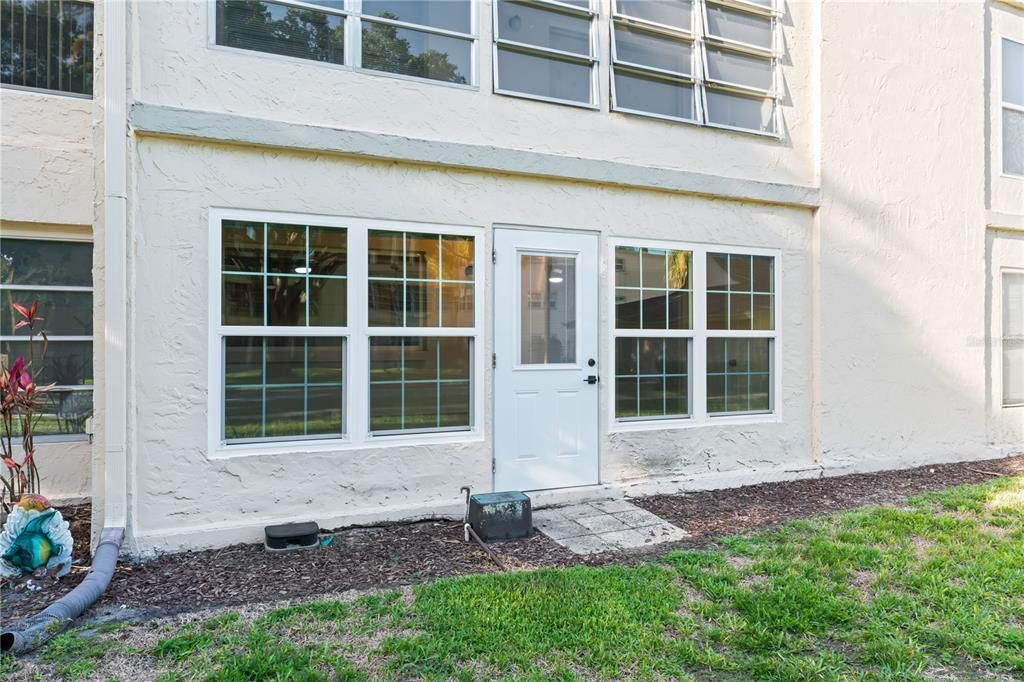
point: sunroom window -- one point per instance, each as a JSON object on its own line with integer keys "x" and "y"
{"x": 417, "y": 38}
{"x": 58, "y": 275}
{"x": 47, "y": 45}
{"x": 545, "y": 50}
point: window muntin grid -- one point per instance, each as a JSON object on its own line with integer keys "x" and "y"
{"x": 47, "y": 45}
{"x": 739, "y": 376}
{"x": 283, "y": 275}
{"x": 420, "y": 279}
{"x": 58, "y": 275}
{"x": 651, "y": 378}
{"x": 741, "y": 294}
{"x": 420, "y": 383}
{"x": 732, "y": 49}
{"x": 419, "y": 39}
{"x": 545, "y": 50}
{"x": 653, "y": 288}
{"x": 283, "y": 387}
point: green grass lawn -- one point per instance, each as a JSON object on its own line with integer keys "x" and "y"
{"x": 931, "y": 591}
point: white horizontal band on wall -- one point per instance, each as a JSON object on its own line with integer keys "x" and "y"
{"x": 150, "y": 119}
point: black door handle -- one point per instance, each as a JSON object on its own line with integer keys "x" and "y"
{"x": 592, "y": 379}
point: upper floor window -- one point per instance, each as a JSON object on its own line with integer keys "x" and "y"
{"x": 1013, "y": 107}
{"x": 545, "y": 50}
{"x": 47, "y": 45}
{"x": 416, "y": 38}
{"x": 715, "y": 66}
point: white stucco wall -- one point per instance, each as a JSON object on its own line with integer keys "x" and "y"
{"x": 179, "y": 68}
{"x": 181, "y": 498}
{"x": 46, "y": 186}
{"x": 902, "y": 233}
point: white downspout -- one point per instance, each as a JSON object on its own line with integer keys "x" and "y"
{"x": 115, "y": 237}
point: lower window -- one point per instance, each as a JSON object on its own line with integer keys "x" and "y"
{"x": 651, "y": 378}
{"x": 739, "y": 376}
{"x": 419, "y": 383}
{"x": 283, "y": 387}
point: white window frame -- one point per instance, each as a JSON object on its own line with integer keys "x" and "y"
{"x": 698, "y": 335}
{"x": 1001, "y": 336}
{"x": 1006, "y": 106}
{"x": 700, "y": 37}
{"x": 593, "y": 60}
{"x": 354, "y": 18}
{"x": 62, "y": 437}
{"x": 357, "y": 332}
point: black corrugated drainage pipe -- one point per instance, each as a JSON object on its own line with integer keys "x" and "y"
{"x": 25, "y": 635}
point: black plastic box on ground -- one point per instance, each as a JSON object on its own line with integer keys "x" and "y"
{"x": 501, "y": 516}
{"x": 288, "y": 537}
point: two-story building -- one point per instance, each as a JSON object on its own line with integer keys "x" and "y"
{"x": 350, "y": 255}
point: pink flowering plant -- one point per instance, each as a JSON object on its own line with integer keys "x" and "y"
{"x": 21, "y": 402}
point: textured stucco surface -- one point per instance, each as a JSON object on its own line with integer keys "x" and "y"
{"x": 183, "y": 498}
{"x": 46, "y": 158}
{"x": 902, "y": 233}
{"x": 181, "y": 69}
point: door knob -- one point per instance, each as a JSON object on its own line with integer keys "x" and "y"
{"x": 592, "y": 379}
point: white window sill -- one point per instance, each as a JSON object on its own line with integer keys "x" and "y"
{"x": 341, "y": 445}
{"x": 690, "y": 423}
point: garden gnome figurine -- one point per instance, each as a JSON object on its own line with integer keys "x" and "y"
{"x": 35, "y": 536}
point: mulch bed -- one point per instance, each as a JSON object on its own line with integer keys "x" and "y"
{"x": 395, "y": 555}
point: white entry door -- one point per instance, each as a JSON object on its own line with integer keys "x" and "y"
{"x": 546, "y": 360}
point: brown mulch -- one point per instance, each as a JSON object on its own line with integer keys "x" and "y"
{"x": 390, "y": 556}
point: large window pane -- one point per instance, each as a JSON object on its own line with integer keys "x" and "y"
{"x": 738, "y": 375}
{"x": 1013, "y": 338}
{"x": 676, "y": 13}
{"x": 47, "y": 44}
{"x": 651, "y": 377}
{"x": 741, "y": 111}
{"x": 740, "y": 69}
{"x": 281, "y": 29}
{"x": 653, "y": 95}
{"x": 547, "y": 309}
{"x": 740, "y": 292}
{"x": 64, "y": 313}
{"x": 278, "y": 387}
{"x": 743, "y": 27}
{"x": 453, "y": 15}
{"x": 1013, "y": 142}
{"x": 419, "y": 383}
{"x": 67, "y": 363}
{"x": 542, "y": 27}
{"x": 541, "y": 76}
{"x": 42, "y": 262}
{"x": 659, "y": 291}
{"x": 1013, "y": 72}
{"x": 409, "y": 52}
{"x": 652, "y": 49}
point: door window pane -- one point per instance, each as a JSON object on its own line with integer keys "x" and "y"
{"x": 543, "y": 76}
{"x": 1013, "y": 338}
{"x": 409, "y": 52}
{"x": 419, "y": 383}
{"x": 47, "y": 44}
{"x": 651, "y": 377}
{"x": 278, "y": 387}
{"x": 282, "y": 29}
{"x": 738, "y": 375}
{"x": 547, "y": 316}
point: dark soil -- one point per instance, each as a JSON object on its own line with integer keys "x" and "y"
{"x": 388, "y": 556}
